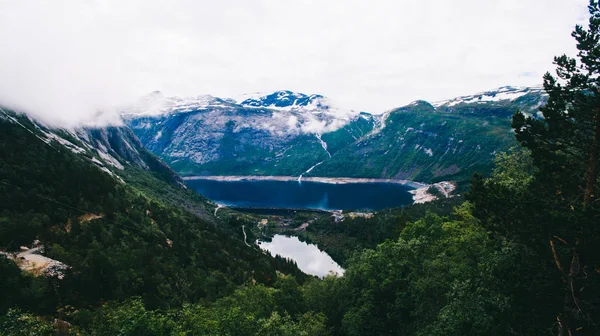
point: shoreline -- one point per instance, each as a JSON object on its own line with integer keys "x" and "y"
{"x": 330, "y": 180}
{"x": 422, "y": 195}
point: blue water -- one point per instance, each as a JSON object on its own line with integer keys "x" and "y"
{"x": 305, "y": 195}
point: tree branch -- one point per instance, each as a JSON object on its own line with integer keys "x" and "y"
{"x": 556, "y": 259}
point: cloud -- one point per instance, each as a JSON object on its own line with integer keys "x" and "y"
{"x": 312, "y": 125}
{"x": 64, "y": 61}
{"x": 292, "y": 123}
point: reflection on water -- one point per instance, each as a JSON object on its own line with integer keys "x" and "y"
{"x": 309, "y": 258}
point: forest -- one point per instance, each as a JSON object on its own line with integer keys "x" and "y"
{"x": 518, "y": 255}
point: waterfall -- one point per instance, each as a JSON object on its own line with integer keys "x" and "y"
{"x": 308, "y": 171}
{"x": 323, "y": 144}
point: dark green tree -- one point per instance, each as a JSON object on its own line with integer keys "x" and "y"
{"x": 565, "y": 146}
{"x": 567, "y": 139}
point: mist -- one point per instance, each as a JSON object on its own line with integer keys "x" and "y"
{"x": 71, "y": 63}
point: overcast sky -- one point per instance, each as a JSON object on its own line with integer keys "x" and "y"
{"x": 64, "y": 60}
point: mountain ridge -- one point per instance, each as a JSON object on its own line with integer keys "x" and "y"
{"x": 110, "y": 148}
{"x": 288, "y": 133}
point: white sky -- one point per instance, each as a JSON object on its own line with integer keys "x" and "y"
{"x": 63, "y": 60}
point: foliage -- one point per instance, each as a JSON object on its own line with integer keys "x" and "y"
{"x": 441, "y": 277}
{"x": 342, "y": 239}
{"x": 565, "y": 147}
{"x": 251, "y": 310}
{"x": 139, "y": 243}
{"x": 18, "y": 323}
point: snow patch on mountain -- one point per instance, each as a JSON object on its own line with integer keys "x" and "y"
{"x": 284, "y": 100}
{"x": 505, "y": 93}
{"x": 314, "y": 113}
{"x": 280, "y": 113}
{"x": 156, "y": 104}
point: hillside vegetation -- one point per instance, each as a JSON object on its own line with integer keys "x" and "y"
{"x": 120, "y": 239}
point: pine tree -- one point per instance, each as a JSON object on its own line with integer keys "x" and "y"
{"x": 568, "y": 138}
{"x": 565, "y": 146}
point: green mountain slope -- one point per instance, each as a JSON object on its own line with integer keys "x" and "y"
{"x": 114, "y": 225}
{"x": 424, "y": 142}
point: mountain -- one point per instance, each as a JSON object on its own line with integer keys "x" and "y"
{"x": 528, "y": 99}
{"x": 285, "y": 100}
{"x": 111, "y": 148}
{"x": 273, "y": 134}
{"x": 116, "y": 219}
{"x": 288, "y": 133}
{"x": 432, "y": 142}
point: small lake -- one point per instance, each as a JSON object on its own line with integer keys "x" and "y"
{"x": 305, "y": 195}
{"x": 308, "y": 257}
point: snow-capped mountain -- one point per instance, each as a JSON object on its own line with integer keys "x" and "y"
{"x": 262, "y": 130}
{"x": 285, "y": 100}
{"x": 505, "y": 94}
{"x": 288, "y": 133}
{"x": 291, "y": 112}
{"x": 156, "y": 103}
{"x": 444, "y": 140}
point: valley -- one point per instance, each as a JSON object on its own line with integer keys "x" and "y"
{"x": 416, "y": 205}
{"x": 366, "y": 208}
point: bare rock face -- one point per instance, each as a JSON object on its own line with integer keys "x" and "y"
{"x": 33, "y": 261}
